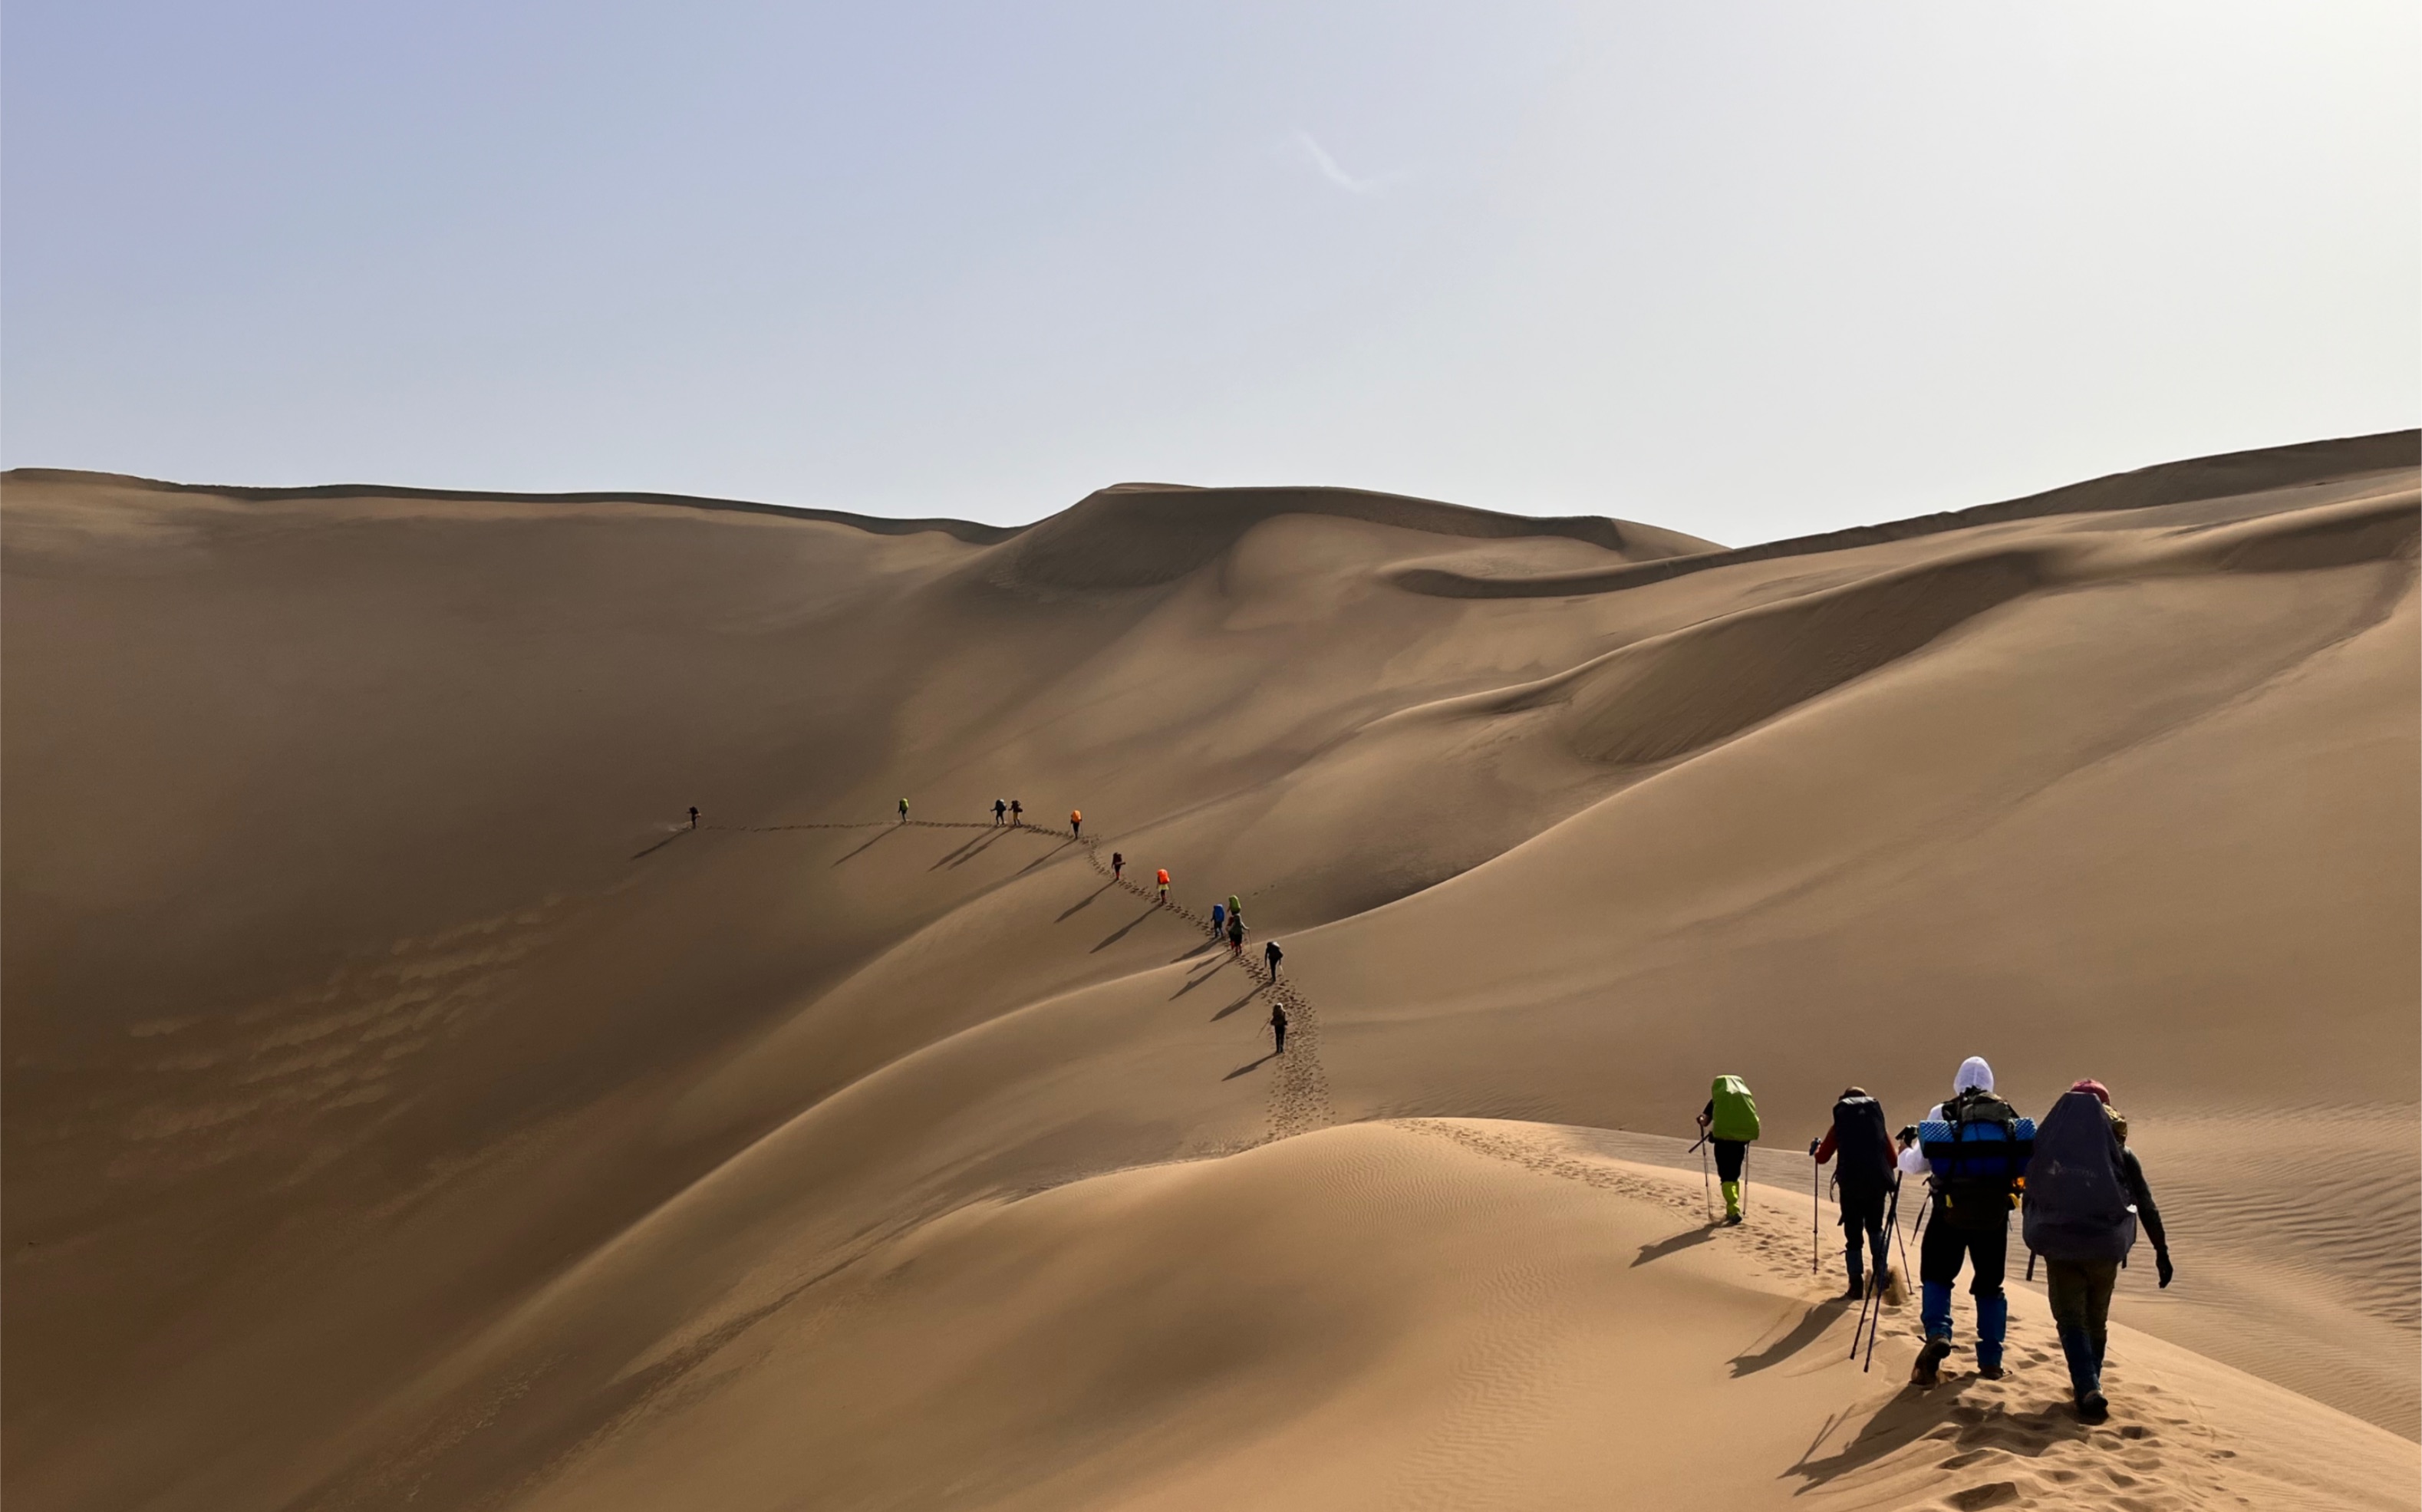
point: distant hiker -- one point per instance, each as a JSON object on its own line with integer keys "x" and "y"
{"x": 904, "y": 811}
{"x": 1271, "y": 956}
{"x": 1076, "y": 823}
{"x": 1860, "y": 1137}
{"x": 693, "y": 816}
{"x": 1278, "y": 1027}
{"x": 1016, "y": 812}
{"x": 2079, "y": 1216}
{"x": 1118, "y": 865}
{"x": 1164, "y": 885}
{"x": 1729, "y": 1123}
{"x": 1235, "y": 937}
{"x": 1219, "y": 919}
{"x": 1973, "y": 1150}
{"x": 1000, "y": 812}
{"x": 1236, "y": 909}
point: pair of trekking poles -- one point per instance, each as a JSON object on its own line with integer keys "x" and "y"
{"x": 1707, "y": 1181}
{"x": 1871, "y": 1312}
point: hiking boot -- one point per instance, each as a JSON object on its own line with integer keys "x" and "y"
{"x": 1990, "y": 1373}
{"x": 2091, "y": 1408}
{"x": 1856, "y": 1294}
{"x": 1929, "y": 1369}
{"x": 1732, "y": 1220}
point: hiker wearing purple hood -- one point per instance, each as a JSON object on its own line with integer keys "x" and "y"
{"x": 1971, "y": 1155}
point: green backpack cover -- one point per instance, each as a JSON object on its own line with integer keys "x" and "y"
{"x": 1735, "y": 1110}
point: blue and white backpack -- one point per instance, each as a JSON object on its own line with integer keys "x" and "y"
{"x": 1980, "y": 1150}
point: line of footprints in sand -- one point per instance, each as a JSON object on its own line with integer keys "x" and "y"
{"x": 2032, "y": 1456}
{"x": 2013, "y": 1443}
{"x": 1298, "y": 1088}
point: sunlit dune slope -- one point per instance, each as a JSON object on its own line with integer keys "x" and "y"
{"x": 402, "y": 1103}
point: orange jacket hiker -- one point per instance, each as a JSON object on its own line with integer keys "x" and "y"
{"x": 1164, "y": 884}
{"x": 1076, "y": 822}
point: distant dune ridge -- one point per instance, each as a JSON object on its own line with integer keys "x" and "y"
{"x": 404, "y": 1105}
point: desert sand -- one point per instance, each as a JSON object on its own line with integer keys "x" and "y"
{"x": 405, "y": 1106}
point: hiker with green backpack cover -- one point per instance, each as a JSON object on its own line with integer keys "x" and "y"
{"x": 1729, "y": 1123}
{"x": 2086, "y": 1198}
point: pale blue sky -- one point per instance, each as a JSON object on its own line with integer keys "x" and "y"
{"x": 1743, "y": 269}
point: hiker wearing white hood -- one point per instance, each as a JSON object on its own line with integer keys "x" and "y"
{"x": 1972, "y": 1152}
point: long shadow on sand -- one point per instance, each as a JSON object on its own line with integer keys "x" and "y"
{"x": 1238, "y": 1003}
{"x": 1196, "y": 981}
{"x": 969, "y": 851}
{"x": 1120, "y": 933}
{"x": 1047, "y": 855}
{"x": 1248, "y": 1065}
{"x": 878, "y": 839}
{"x": 660, "y": 845}
{"x": 1811, "y": 1327}
{"x": 1919, "y": 1411}
{"x": 1683, "y": 1240}
{"x": 1084, "y": 902}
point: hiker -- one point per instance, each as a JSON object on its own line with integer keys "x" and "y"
{"x": 2080, "y": 1184}
{"x": 1118, "y": 864}
{"x": 1271, "y": 956}
{"x": 1016, "y": 813}
{"x": 1278, "y": 1027}
{"x": 1236, "y": 936}
{"x": 1000, "y": 812}
{"x": 1860, "y": 1136}
{"x": 1729, "y": 1122}
{"x": 904, "y": 811}
{"x": 1164, "y": 886}
{"x": 1219, "y": 919}
{"x": 1236, "y": 909}
{"x": 693, "y": 816}
{"x": 1076, "y": 823}
{"x": 1973, "y": 1150}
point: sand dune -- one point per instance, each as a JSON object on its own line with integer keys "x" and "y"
{"x": 403, "y": 1105}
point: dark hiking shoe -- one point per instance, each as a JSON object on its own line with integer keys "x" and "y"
{"x": 1990, "y": 1373}
{"x": 1856, "y": 1294}
{"x": 1732, "y": 1220}
{"x": 2091, "y": 1408}
{"x": 1929, "y": 1369}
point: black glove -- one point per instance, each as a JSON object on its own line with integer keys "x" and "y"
{"x": 1907, "y": 1136}
{"x": 2161, "y": 1264}
{"x": 1812, "y": 1148}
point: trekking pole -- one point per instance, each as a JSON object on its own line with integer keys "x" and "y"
{"x": 1876, "y": 1283}
{"x": 1706, "y": 1188}
{"x": 1813, "y": 1216}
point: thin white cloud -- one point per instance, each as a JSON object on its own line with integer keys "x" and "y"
{"x": 1335, "y": 173}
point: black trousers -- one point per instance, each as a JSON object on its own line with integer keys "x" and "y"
{"x": 1947, "y": 1244}
{"x": 1862, "y": 1221}
{"x": 1729, "y": 1156}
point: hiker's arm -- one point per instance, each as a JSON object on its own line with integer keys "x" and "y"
{"x": 2146, "y": 1214}
{"x": 1824, "y": 1148}
{"x": 1912, "y": 1158}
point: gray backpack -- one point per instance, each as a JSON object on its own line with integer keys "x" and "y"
{"x": 2077, "y": 1204}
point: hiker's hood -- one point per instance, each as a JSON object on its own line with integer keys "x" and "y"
{"x": 2100, "y": 1091}
{"x": 1975, "y": 1076}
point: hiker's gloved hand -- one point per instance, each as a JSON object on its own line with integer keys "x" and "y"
{"x": 1812, "y": 1149}
{"x": 2161, "y": 1264}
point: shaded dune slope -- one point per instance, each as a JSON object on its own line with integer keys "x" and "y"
{"x": 404, "y": 1105}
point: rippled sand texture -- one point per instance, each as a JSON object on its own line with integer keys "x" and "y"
{"x": 404, "y": 1105}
